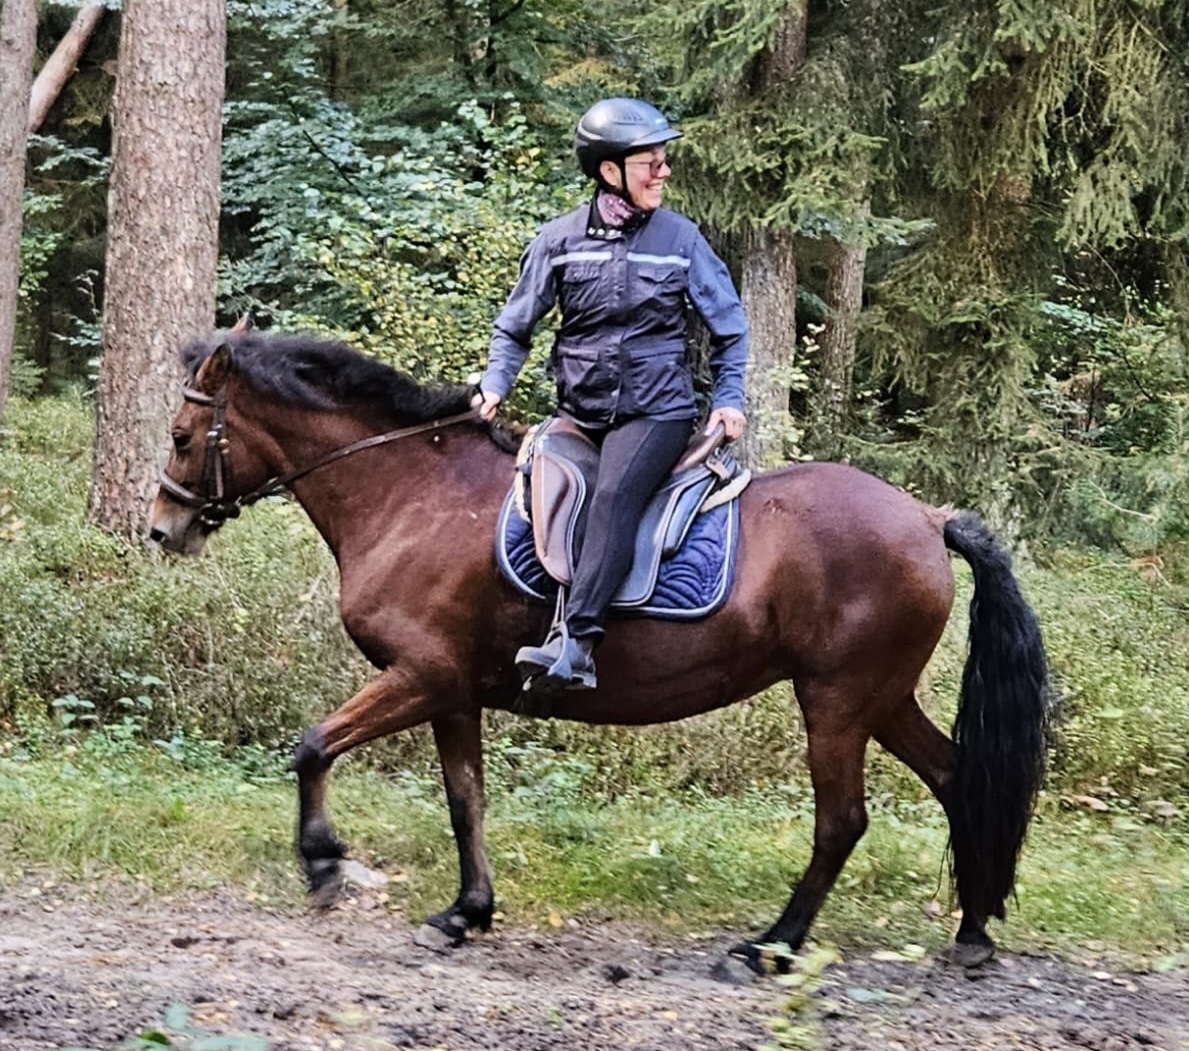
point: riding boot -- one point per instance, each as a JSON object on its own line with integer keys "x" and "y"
{"x": 532, "y": 661}
{"x": 561, "y": 662}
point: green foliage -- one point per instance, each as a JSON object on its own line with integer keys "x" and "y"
{"x": 405, "y": 238}
{"x": 238, "y": 647}
{"x": 1121, "y": 736}
{"x": 424, "y": 267}
{"x": 798, "y": 150}
{"x": 66, "y": 187}
{"x": 107, "y": 646}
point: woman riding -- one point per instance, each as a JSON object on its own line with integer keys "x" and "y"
{"x": 623, "y": 270}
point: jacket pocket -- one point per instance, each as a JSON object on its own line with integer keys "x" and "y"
{"x": 658, "y": 381}
{"x": 587, "y": 382}
{"x": 660, "y": 287}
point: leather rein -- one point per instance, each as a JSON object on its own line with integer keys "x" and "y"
{"x": 210, "y": 500}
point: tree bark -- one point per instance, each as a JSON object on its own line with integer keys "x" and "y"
{"x": 59, "y": 67}
{"x": 162, "y": 240}
{"x": 844, "y": 297}
{"x": 18, "y": 40}
{"x": 768, "y": 288}
{"x": 768, "y": 284}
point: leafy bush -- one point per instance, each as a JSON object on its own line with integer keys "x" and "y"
{"x": 239, "y": 650}
{"x": 240, "y": 646}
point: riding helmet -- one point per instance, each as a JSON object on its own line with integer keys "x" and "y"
{"x": 613, "y": 128}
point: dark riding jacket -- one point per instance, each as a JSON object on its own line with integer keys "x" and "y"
{"x": 620, "y": 348}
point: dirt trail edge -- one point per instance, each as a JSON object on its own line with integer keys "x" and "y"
{"x": 219, "y": 973}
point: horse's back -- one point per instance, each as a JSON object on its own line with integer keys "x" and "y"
{"x": 844, "y": 563}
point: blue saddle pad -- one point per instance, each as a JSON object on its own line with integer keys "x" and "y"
{"x": 691, "y": 584}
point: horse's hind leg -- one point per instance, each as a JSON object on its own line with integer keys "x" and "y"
{"x": 911, "y": 737}
{"x": 836, "y": 759}
{"x": 460, "y": 748}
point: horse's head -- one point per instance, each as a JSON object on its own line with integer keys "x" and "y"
{"x": 200, "y": 487}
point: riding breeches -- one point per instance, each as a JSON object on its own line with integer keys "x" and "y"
{"x": 634, "y": 458}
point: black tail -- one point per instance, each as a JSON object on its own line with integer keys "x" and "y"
{"x": 1001, "y": 729}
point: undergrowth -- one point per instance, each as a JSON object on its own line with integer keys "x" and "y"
{"x": 149, "y": 707}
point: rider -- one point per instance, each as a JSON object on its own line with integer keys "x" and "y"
{"x": 622, "y": 269}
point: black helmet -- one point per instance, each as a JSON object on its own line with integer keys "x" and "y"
{"x": 613, "y": 128}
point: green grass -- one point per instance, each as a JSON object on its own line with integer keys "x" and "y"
{"x": 1090, "y": 883}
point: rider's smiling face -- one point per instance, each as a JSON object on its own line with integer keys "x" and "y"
{"x": 646, "y": 171}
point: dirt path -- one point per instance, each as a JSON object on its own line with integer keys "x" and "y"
{"x": 74, "y": 973}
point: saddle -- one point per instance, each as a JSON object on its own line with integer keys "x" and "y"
{"x": 556, "y": 472}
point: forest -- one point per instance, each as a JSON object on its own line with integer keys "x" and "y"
{"x": 959, "y": 230}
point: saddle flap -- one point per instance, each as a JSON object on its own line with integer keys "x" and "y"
{"x": 562, "y": 458}
{"x": 665, "y": 523}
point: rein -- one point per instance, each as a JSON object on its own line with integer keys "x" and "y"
{"x": 211, "y": 501}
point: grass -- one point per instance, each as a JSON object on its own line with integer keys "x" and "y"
{"x": 1091, "y": 883}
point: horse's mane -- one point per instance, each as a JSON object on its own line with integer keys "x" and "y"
{"x": 319, "y": 373}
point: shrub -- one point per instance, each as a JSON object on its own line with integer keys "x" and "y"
{"x": 242, "y": 648}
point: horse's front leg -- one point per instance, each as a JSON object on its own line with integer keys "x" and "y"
{"x": 391, "y": 702}
{"x": 460, "y": 748}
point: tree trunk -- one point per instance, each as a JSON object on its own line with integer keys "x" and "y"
{"x": 162, "y": 239}
{"x": 767, "y": 287}
{"x": 458, "y": 15}
{"x": 18, "y": 40}
{"x": 59, "y": 67}
{"x": 769, "y": 275}
{"x": 844, "y": 297}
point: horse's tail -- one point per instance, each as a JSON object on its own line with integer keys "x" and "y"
{"x": 1001, "y": 729}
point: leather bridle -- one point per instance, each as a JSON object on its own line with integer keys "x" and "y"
{"x": 211, "y": 500}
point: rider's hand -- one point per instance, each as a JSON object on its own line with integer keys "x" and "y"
{"x": 485, "y": 403}
{"x": 732, "y": 420}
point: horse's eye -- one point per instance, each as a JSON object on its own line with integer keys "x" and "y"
{"x": 181, "y": 439}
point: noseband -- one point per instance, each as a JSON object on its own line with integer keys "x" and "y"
{"x": 210, "y": 499}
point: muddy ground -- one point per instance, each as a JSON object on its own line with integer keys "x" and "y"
{"x": 219, "y": 974}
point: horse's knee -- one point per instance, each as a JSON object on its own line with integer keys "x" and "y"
{"x": 837, "y": 833}
{"x": 309, "y": 758}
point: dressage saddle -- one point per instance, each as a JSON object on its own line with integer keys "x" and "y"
{"x": 557, "y": 470}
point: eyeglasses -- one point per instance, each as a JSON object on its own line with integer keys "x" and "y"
{"x": 654, "y": 165}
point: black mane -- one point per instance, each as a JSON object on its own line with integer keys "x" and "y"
{"x": 323, "y": 374}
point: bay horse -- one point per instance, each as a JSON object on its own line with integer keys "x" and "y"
{"x": 843, "y": 585}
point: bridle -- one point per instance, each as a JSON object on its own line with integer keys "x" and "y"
{"x": 210, "y": 499}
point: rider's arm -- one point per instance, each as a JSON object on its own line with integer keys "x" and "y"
{"x": 531, "y": 298}
{"x": 714, "y": 297}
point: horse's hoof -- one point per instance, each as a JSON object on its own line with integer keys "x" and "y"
{"x": 775, "y": 958}
{"x": 326, "y": 882}
{"x": 733, "y": 970}
{"x": 969, "y": 954}
{"x": 452, "y": 923}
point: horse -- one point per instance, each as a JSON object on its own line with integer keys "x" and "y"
{"x": 843, "y": 586}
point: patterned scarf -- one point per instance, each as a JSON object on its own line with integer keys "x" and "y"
{"x": 616, "y": 212}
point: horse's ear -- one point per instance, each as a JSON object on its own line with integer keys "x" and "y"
{"x": 244, "y": 324}
{"x": 213, "y": 373}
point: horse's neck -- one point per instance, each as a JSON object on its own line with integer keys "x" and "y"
{"x": 372, "y": 493}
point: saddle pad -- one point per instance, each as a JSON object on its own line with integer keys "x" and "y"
{"x": 691, "y": 584}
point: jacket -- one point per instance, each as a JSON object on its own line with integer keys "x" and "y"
{"x": 620, "y": 346}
